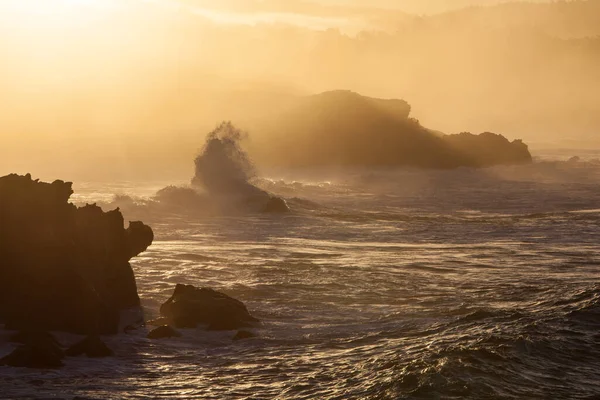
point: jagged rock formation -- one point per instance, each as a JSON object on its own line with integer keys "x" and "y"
{"x": 190, "y": 306}
{"x": 62, "y": 267}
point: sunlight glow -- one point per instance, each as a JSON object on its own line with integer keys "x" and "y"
{"x": 44, "y": 13}
{"x": 55, "y": 6}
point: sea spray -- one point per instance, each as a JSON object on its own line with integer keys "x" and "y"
{"x": 221, "y": 182}
{"x": 223, "y": 167}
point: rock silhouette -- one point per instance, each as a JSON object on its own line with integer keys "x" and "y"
{"x": 62, "y": 267}
{"x": 343, "y": 128}
{"x": 163, "y": 332}
{"x": 92, "y": 346}
{"x": 190, "y": 306}
{"x": 38, "y": 350}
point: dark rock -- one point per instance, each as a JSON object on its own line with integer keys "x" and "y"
{"x": 487, "y": 149}
{"x": 37, "y": 339}
{"x": 241, "y": 335}
{"x": 92, "y": 346}
{"x": 38, "y": 352}
{"x": 139, "y": 237}
{"x": 276, "y": 205}
{"x": 163, "y": 332}
{"x": 62, "y": 267}
{"x": 342, "y": 128}
{"x": 190, "y": 306}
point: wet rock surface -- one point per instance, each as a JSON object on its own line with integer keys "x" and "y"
{"x": 163, "y": 332}
{"x": 37, "y": 350}
{"x": 92, "y": 346}
{"x": 61, "y": 267}
{"x": 190, "y": 306}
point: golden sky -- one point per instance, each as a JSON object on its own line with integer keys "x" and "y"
{"x": 108, "y": 73}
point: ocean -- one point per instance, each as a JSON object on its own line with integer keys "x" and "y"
{"x": 379, "y": 284}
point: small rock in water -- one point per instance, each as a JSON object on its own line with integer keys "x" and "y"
{"x": 190, "y": 306}
{"x": 243, "y": 335}
{"x": 42, "y": 355}
{"x": 163, "y": 332}
{"x": 92, "y": 346}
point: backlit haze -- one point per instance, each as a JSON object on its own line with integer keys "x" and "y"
{"x": 107, "y": 88}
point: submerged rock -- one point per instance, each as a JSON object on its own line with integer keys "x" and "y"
{"x": 62, "y": 267}
{"x": 241, "y": 335}
{"x": 38, "y": 351}
{"x": 163, "y": 332}
{"x": 92, "y": 346}
{"x": 190, "y": 306}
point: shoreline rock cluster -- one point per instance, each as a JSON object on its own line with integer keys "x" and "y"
{"x": 62, "y": 267}
{"x": 66, "y": 268}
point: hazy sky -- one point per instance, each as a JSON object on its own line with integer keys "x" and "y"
{"x": 411, "y": 6}
{"x": 415, "y": 6}
{"x": 96, "y": 76}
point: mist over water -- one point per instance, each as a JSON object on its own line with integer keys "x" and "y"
{"x": 222, "y": 182}
{"x": 223, "y": 167}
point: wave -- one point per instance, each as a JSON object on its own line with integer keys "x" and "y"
{"x": 221, "y": 183}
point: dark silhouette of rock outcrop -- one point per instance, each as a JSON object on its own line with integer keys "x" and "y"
{"x": 488, "y": 149}
{"x": 163, "y": 332}
{"x": 38, "y": 350}
{"x": 343, "y": 128}
{"x": 62, "y": 267}
{"x": 92, "y": 346}
{"x": 190, "y": 306}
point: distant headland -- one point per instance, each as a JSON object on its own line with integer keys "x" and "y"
{"x": 344, "y": 128}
